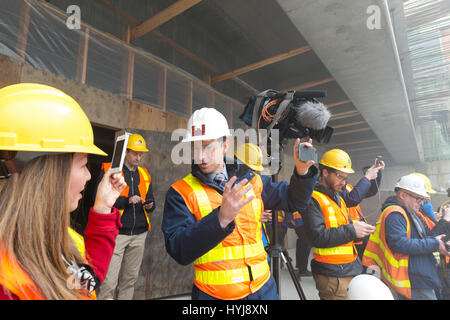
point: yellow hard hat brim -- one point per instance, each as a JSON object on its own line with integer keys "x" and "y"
{"x": 138, "y": 149}
{"x": 75, "y": 149}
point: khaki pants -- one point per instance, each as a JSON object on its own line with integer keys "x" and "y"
{"x": 124, "y": 267}
{"x": 331, "y": 288}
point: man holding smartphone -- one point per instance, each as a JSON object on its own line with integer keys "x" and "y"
{"x": 331, "y": 230}
{"x": 211, "y": 221}
{"x": 403, "y": 244}
{"x": 134, "y": 204}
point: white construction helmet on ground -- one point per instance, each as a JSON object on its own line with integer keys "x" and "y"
{"x": 367, "y": 287}
{"x": 414, "y": 184}
{"x": 206, "y": 124}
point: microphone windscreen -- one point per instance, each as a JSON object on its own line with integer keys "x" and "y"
{"x": 313, "y": 115}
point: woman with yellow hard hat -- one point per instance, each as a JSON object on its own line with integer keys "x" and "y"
{"x": 44, "y": 140}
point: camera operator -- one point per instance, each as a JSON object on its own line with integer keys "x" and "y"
{"x": 403, "y": 235}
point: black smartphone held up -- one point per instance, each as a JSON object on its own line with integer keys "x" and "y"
{"x": 249, "y": 176}
{"x": 120, "y": 149}
{"x": 378, "y": 159}
{"x": 306, "y": 154}
{"x": 147, "y": 202}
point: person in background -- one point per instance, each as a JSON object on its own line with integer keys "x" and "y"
{"x": 134, "y": 204}
{"x": 402, "y": 246}
{"x": 331, "y": 231}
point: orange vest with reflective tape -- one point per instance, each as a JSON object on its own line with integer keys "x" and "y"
{"x": 144, "y": 184}
{"x": 19, "y": 283}
{"x": 237, "y": 266}
{"x": 394, "y": 266}
{"x": 355, "y": 213}
{"x": 334, "y": 217}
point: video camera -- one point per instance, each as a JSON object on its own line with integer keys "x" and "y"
{"x": 297, "y": 114}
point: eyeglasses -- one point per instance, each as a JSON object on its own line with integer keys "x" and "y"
{"x": 340, "y": 176}
{"x": 419, "y": 200}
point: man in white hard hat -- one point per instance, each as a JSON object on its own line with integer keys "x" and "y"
{"x": 402, "y": 245}
{"x": 216, "y": 224}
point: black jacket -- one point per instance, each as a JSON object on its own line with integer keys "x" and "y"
{"x": 321, "y": 237}
{"x": 133, "y": 218}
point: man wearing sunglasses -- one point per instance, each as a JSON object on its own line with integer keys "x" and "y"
{"x": 403, "y": 244}
{"x": 331, "y": 230}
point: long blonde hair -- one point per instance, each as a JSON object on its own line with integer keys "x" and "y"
{"x": 34, "y": 221}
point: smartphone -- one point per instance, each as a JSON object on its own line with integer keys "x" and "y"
{"x": 249, "y": 176}
{"x": 147, "y": 202}
{"x": 378, "y": 159}
{"x": 120, "y": 149}
{"x": 306, "y": 154}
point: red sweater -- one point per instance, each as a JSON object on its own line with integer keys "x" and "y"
{"x": 100, "y": 240}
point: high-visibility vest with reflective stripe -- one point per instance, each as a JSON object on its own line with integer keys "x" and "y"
{"x": 334, "y": 217}
{"x": 144, "y": 184}
{"x": 19, "y": 283}
{"x": 430, "y": 224}
{"x": 393, "y": 265}
{"x": 237, "y": 266}
{"x": 355, "y": 213}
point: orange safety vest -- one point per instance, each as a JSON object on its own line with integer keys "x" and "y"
{"x": 393, "y": 265}
{"x": 19, "y": 283}
{"x": 355, "y": 213}
{"x": 237, "y": 266}
{"x": 334, "y": 216}
{"x": 144, "y": 184}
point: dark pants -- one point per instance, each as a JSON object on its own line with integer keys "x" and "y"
{"x": 267, "y": 292}
{"x": 302, "y": 250}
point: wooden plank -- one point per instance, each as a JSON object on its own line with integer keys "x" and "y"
{"x": 21, "y": 46}
{"x": 349, "y": 124}
{"x": 352, "y": 142}
{"x": 262, "y": 63}
{"x": 83, "y": 56}
{"x": 339, "y": 103}
{"x": 309, "y": 84}
{"x": 366, "y": 148}
{"x": 162, "y": 17}
{"x": 344, "y": 114}
{"x": 351, "y": 131}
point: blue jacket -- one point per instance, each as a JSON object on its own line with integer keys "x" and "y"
{"x": 187, "y": 239}
{"x": 422, "y": 268}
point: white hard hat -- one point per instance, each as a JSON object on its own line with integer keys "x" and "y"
{"x": 206, "y": 124}
{"x": 367, "y": 287}
{"x": 414, "y": 184}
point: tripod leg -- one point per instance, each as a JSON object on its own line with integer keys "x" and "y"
{"x": 275, "y": 251}
{"x": 287, "y": 261}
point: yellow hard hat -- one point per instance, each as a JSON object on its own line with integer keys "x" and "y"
{"x": 40, "y": 118}
{"x": 251, "y": 155}
{"x": 426, "y": 180}
{"x": 337, "y": 159}
{"x": 137, "y": 143}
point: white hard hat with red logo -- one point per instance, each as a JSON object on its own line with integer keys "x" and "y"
{"x": 206, "y": 124}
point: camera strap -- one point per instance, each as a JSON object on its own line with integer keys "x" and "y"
{"x": 283, "y": 106}
{"x": 262, "y": 96}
